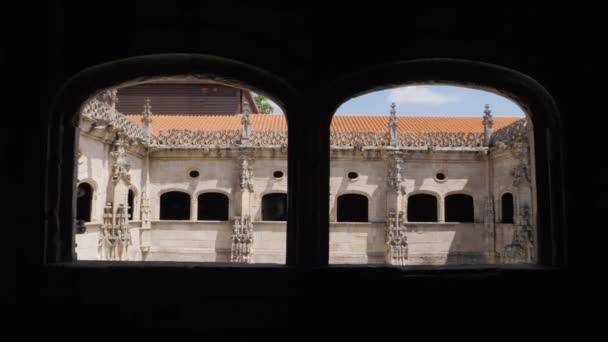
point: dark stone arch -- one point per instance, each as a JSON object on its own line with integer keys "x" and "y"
{"x": 213, "y": 206}
{"x": 459, "y": 208}
{"x": 507, "y": 208}
{"x": 422, "y": 208}
{"x": 84, "y": 202}
{"x": 274, "y": 207}
{"x": 352, "y": 208}
{"x": 175, "y": 205}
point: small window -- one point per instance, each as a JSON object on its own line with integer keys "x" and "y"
{"x": 175, "y": 205}
{"x": 353, "y": 175}
{"x": 274, "y": 207}
{"x": 422, "y": 208}
{"x": 352, "y": 208}
{"x": 213, "y": 206}
{"x": 84, "y": 202}
{"x": 278, "y": 174}
{"x": 459, "y": 208}
{"x": 440, "y": 177}
{"x": 131, "y": 201}
{"x": 507, "y": 208}
{"x": 194, "y": 174}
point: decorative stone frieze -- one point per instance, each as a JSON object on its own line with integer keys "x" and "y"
{"x": 392, "y": 126}
{"x": 246, "y": 175}
{"x": 488, "y": 123}
{"x": 521, "y": 249}
{"x": 395, "y": 174}
{"x": 114, "y": 236}
{"x": 396, "y": 239}
{"x": 242, "y": 239}
{"x": 521, "y": 171}
{"x": 120, "y": 165}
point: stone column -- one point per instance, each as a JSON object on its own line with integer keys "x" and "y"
{"x": 396, "y": 251}
{"x": 242, "y": 228}
{"x": 193, "y": 207}
{"x": 441, "y": 209}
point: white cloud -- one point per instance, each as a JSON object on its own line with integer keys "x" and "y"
{"x": 421, "y": 95}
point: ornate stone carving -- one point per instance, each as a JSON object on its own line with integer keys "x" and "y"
{"x": 521, "y": 249}
{"x": 396, "y": 239}
{"x": 246, "y": 175}
{"x": 114, "y": 237}
{"x": 395, "y": 174}
{"x": 105, "y": 116}
{"x": 245, "y": 121}
{"x": 146, "y": 211}
{"x": 242, "y": 239}
{"x": 120, "y": 165}
{"x": 515, "y": 132}
{"x": 521, "y": 171}
{"x": 392, "y": 126}
{"x": 488, "y": 122}
{"x": 147, "y": 120}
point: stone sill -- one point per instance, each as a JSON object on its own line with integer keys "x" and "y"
{"x": 432, "y": 270}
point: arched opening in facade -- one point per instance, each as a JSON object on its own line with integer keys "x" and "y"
{"x": 179, "y": 131}
{"x": 422, "y": 208}
{"x": 274, "y": 207}
{"x": 459, "y": 208}
{"x": 352, "y": 208}
{"x": 507, "y": 208}
{"x": 84, "y": 202}
{"x": 213, "y": 206}
{"x": 131, "y": 203}
{"x": 175, "y": 205}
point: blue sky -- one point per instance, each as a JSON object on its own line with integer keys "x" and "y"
{"x": 429, "y": 101}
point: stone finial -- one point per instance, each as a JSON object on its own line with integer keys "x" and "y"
{"x": 109, "y": 96}
{"x": 147, "y": 119}
{"x": 488, "y": 122}
{"x": 245, "y": 121}
{"x": 392, "y": 126}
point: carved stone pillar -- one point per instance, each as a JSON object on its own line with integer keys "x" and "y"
{"x": 242, "y": 239}
{"x": 115, "y": 236}
{"x": 396, "y": 239}
{"x": 396, "y": 252}
{"x": 242, "y": 228}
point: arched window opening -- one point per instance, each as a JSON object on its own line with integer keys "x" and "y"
{"x": 212, "y": 206}
{"x": 459, "y": 208}
{"x": 422, "y": 208}
{"x": 274, "y": 207}
{"x": 507, "y": 208}
{"x": 175, "y": 205}
{"x": 149, "y": 123}
{"x": 131, "y": 202}
{"x": 84, "y": 202}
{"x": 352, "y": 208}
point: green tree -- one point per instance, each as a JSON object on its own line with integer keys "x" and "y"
{"x": 263, "y": 104}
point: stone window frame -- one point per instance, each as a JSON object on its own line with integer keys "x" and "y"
{"x": 498, "y": 205}
{"x": 136, "y": 203}
{"x": 228, "y": 195}
{"x": 359, "y": 193}
{"x": 93, "y": 185}
{"x": 438, "y": 200}
{"x": 311, "y": 114}
{"x": 161, "y": 192}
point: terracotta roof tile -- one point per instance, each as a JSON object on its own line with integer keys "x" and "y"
{"x": 341, "y": 123}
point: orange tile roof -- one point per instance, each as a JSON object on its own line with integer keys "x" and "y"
{"x": 341, "y": 123}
